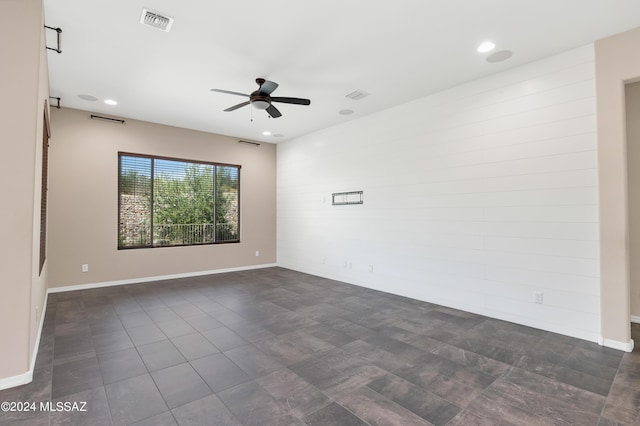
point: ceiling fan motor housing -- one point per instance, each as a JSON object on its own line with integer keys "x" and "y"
{"x": 260, "y": 100}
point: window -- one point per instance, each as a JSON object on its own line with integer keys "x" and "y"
{"x": 170, "y": 202}
{"x": 44, "y": 189}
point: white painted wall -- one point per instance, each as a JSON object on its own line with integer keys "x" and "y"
{"x": 474, "y": 198}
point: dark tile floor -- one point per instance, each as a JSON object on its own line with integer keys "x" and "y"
{"x": 279, "y": 347}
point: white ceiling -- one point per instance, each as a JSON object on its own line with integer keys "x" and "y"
{"x": 321, "y": 50}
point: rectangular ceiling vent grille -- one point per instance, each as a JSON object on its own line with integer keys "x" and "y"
{"x": 357, "y": 95}
{"x": 156, "y": 20}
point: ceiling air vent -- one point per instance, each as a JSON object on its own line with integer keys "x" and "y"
{"x": 156, "y": 20}
{"x": 357, "y": 95}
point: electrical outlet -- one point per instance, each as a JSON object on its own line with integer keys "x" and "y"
{"x": 257, "y": 253}
{"x": 370, "y": 268}
{"x": 85, "y": 267}
{"x": 537, "y": 297}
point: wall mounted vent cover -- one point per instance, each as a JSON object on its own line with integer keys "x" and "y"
{"x": 156, "y": 20}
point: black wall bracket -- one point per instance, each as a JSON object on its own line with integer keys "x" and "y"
{"x": 58, "y": 31}
{"x": 57, "y": 99}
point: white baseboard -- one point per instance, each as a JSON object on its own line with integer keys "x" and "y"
{"x": 635, "y": 319}
{"x": 19, "y": 380}
{"x": 27, "y": 377}
{"x": 614, "y": 344}
{"x": 157, "y": 278}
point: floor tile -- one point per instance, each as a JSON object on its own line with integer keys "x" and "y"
{"x": 80, "y": 328}
{"x": 283, "y": 350}
{"x": 119, "y": 365}
{"x": 110, "y": 342}
{"x": 224, "y": 338}
{"x": 375, "y": 409}
{"x": 92, "y": 409}
{"x": 419, "y": 401}
{"x": 308, "y": 342}
{"x": 219, "y": 372}
{"x": 176, "y": 328}
{"x": 250, "y": 331}
{"x": 253, "y": 361}
{"x": 105, "y": 325}
{"x": 193, "y": 346}
{"x": 539, "y": 405}
{"x": 186, "y": 310}
{"x": 400, "y": 349}
{"x": 251, "y": 404}
{"x": 566, "y": 375}
{"x": 75, "y": 376}
{"x": 208, "y": 411}
{"x": 333, "y": 415}
{"x": 145, "y": 334}
{"x": 289, "y": 321}
{"x": 296, "y": 396}
{"x": 521, "y": 382}
{"x": 374, "y": 355}
{"x": 227, "y": 317}
{"x": 162, "y": 314}
{"x": 162, "y": 419}
{"x": 472, "y": 360}
{"x": 134, "y": 399}
{"x": 160, "y": 355}
{"x": 330, "y": 335}
{"x": 203, "y": 322}
{"x": 623, "y": 404}
{"x": 69, "y": 346}
{"x": 180, "y": 384}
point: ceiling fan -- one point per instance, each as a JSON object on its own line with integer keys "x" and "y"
{"x": 261, "y": 98}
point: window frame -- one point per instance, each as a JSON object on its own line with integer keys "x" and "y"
{"x": 160, "y": 157}
{"x": 44, "y": 189}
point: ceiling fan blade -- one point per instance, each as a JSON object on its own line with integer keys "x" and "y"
{"x": 273, "y": 112}
{"x": 268, "y": 87}
{"x": 229, "y": 92}
{"x": 235, "y": 107}
{"x": 297, "y": 101}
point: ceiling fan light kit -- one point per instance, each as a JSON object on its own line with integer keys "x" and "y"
{"x": 261, "y": 99}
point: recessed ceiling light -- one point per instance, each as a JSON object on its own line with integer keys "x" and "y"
{"x": 266, "y": 133}
{"x": 500, "y": 56}
{"x": 345, "y": 112}
{"x": 88, "y": 98}
{"x": 486, "y": 46}
{"x": 110, "y": 102}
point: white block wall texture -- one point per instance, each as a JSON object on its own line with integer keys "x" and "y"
{"x": 474, "y": 198}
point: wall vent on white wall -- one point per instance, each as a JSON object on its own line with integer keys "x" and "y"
{"x": 156, "y": 20}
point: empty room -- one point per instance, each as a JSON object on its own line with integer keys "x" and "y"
{"x": 333, "y": 213}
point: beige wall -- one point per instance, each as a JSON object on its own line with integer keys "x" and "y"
{"x": 24, "y": 88}
{"x": 617, "y": 62}
{"x": 632, "y": 96}
{"x": 84, "y": 200}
